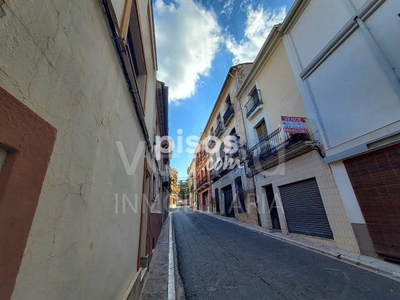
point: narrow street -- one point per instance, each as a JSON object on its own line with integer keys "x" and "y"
{"x": 219, "y": 260}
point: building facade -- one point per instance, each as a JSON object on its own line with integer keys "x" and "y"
{"x": 296, "y": 189}
{"x": 192, "y": 184}
{"x": 174, "y": 197}
{"x": 203, "y": 192}
{"x": 79, "y": 112}
{"x": 320, "y": 124}
{"x": 348, "y": 76}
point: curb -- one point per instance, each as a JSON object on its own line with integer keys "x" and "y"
{"x": 339, "y": 255}
{"x": 179, "y": 287}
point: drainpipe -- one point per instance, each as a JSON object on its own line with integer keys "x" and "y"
{"x": 132, "y": 87}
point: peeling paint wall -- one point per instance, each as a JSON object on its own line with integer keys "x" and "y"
{"x": 57, "y": 58}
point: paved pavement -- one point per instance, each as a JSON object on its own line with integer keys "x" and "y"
{"x": 219, "y": 260}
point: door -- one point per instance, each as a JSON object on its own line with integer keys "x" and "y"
{"x": 261, "y": 130}
{"x": 240, "y": 195}
{"x": 228, "y": 199}
{"x": 304, "y": 209}
{"x": 375, "y": 178}
{"x": 272, "y": 207}
{"x": 205, "y": 201}
{"x": 217, "y": 201}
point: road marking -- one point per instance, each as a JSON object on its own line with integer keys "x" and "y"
{"x": 171, "y": 268}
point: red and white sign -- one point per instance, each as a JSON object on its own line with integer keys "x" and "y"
{"x": 294, "y": 125}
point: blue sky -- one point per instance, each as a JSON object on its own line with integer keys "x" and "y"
{"x": 197, "y": 43}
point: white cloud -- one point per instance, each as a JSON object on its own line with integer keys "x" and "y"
{"x": 188, "y": 38}
{"x": 227, "y": 8}
{"x": 259, "y": 24}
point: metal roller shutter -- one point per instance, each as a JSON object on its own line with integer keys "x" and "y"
{"x": 304, "y": 210}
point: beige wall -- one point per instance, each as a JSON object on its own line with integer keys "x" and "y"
{"x": 279, "y": 93}
{"x": 281, "y": 97}
{"x": 57, "y": 57}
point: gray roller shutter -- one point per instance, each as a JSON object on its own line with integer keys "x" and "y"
{"x": 304, "y": 210}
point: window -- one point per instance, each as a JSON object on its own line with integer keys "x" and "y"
{"x": 254, "y": 101}
{"x": 136, "y": 54}
{"x": 261, "y": 130}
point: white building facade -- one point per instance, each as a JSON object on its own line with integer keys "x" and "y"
{"x": 344, "y": 56}
{"x": 295, "y": 188}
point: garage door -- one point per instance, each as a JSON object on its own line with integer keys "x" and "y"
{"x": 376, "y": 181}
{"x": 304, "y": 210}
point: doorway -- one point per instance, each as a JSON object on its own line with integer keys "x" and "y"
{"x": 228, "y": 199}
{"x": 217, "y": 201}
{"x": 272, "y": 207}
{"x": 240, "y": 195}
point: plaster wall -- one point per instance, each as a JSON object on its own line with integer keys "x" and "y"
{"x": 347, "y": 90}
{"x": 317, "y": 25}
{"x": 279, "y": 93}
{"x": 58, "y": 59}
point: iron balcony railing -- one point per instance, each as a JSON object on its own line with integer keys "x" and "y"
{"x": 203, "y": 181}
{"x": 200, "y": 156}
{"x": 272, "y": 144}
{"x": 228, "y": 114}
{"x": 214, "y": 174}
{"x": 254, "y": 102}
{"x": 219, "y": 129}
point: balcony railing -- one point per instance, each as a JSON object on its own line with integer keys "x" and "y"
{"x": 214, "y": 174}
{"x": 254, "y": 102}
{"x": 200, "y": 156}
{"x": 276, "y": 148}
{"x": 219, "y": 129}
{"x": 203, "y": 181}
{"x": 228, "y": 114}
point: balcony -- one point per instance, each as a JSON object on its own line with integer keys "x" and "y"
{"x": 200, "y": 157}
{"x": 276, "y": 148}
{"x": 220, "y": 129}
{"x": 203, "y": 181}
{"x": 214, "y": 175}
{"x": 228, "y": 115}
{"x": 254, "y": 104}
{"x": 166, "y": 177}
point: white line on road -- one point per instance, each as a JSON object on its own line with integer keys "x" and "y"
{"x": 171, "y": 268}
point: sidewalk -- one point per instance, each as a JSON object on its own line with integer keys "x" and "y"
{"x": 372, "y": 264}
{"x": 160, "y": 269}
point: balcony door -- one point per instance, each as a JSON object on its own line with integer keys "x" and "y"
{"x": 262, "y": 133}
{"x": 261, "y": 130}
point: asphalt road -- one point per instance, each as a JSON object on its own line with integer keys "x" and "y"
{"x": 219, "y": 260}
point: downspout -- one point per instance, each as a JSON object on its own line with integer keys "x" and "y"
{"x": 132, "y": 88}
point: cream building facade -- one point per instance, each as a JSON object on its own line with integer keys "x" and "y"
{"x": 174, "y": 197}
{"x": 222, "y": 177}
{"x": 296, "y": 189}
{"x": 348, "y": 76}
{"x": 192, "y": 183}
{"x": 81, "y": 76}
